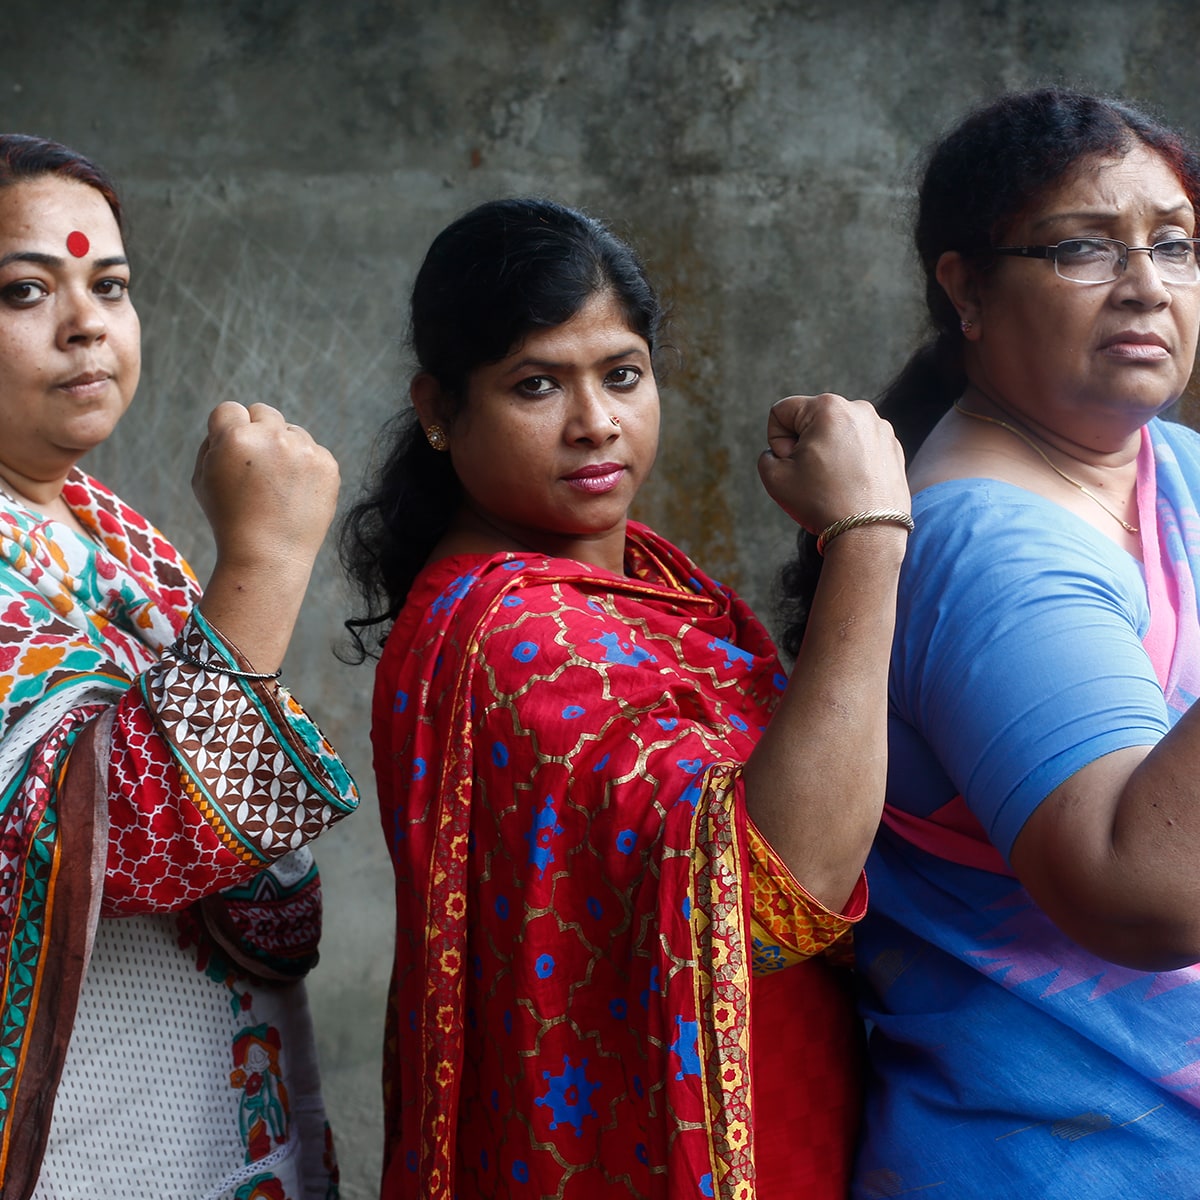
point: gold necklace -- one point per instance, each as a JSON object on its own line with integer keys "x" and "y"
{"x": 966, "y": 412}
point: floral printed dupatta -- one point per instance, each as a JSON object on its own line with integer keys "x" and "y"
{"x": 558, "y": 751}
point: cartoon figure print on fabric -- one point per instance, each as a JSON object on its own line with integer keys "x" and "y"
{"x": 263, "y": 1109}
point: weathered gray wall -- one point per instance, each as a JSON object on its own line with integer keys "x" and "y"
{"x": 285, "y": 165}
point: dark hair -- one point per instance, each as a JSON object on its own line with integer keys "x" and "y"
{"x": 496, "y": 274}
{"x": 997, "y": 163}
{"x": 25, "y": 157}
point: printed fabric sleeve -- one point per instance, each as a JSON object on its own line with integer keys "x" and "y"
{"x": 210, "y": 777}
{"x": 787, "y": 925}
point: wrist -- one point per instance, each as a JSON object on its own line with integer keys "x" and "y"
{"x": 269, "y": 561}
{"x": 204, "y": 647}
{"x": 876, "y": 545}
{"x": 865, "y": 519}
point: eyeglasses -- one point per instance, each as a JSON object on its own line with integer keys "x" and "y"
{"x": 1101, "y": 260}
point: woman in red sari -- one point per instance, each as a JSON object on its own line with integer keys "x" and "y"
{"x": 627, "y": 846}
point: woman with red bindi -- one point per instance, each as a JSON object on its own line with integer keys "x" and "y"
{"x": 152, "y": 769}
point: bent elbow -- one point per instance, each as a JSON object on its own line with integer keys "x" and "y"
{"x": 1151, "y": 946}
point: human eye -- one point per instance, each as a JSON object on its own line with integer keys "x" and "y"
{"x": 112, "y": 288}
{"x": 1079, "y": 251}
{"x": 536, "y": 385}
{"x": 624, "y": 378}
{"x": 24, "y": 293}
{"x": 1175, "y": 250}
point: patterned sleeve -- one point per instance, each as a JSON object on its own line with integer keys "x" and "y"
{"x": 787, "y": 925}
{"x": 210, "y": 777}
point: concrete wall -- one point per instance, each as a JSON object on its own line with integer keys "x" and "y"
{"x": 286, "y": 164}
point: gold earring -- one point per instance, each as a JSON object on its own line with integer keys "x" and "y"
{"x": 435, "y": 435}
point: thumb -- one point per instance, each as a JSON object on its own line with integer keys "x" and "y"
{"x": 227, "y": 415}
{"x": 787, "y": 420}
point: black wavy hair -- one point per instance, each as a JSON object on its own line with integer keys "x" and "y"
{"x": 489, "y": 279}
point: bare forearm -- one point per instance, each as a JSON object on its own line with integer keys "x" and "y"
{"x": 269, "y": 492}
{"x": 255, "y": 605}
{"x": 815, "y": 783}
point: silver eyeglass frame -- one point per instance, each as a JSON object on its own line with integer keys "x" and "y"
{"x": 1123, "y": 251}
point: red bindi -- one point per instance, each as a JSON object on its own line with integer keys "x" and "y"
{"x": 78, "y": 244}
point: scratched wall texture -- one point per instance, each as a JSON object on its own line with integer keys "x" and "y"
{"x": 285, "y": 165}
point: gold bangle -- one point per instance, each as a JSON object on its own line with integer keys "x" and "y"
{"x": 873, "y": 516}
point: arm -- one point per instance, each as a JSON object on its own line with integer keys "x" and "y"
{"x": 269, "y": 492}
{"x": 1022, "y": 667}
{"x": 1110, "y": 854}
{"x": 247, "y": 773}
{"x": 815, "y": 782}
{"x": 210, "y": 775}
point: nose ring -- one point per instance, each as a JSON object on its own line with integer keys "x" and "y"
{"x": 615, "y": 420}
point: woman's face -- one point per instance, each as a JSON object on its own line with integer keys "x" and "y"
{"x": 70, "y": 346}
{"x": 554, "y": 441}
{"x": 1094, "y": 361}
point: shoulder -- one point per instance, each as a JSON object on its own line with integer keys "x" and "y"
{"x": 86, "y": 494}
{"x": 150, "y": 552}
{"x": 456, "y": 600}
{"x": 471, "y": 585}
{"x": 968, "y": 527}
{"x": 468, "y": 597}
{"x": 988, "y": 557}
{"x": 1175, "y": 433}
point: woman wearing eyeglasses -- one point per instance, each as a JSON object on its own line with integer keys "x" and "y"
{"x": 1035, "y": 898}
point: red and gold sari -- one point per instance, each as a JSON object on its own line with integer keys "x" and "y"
{"x": 605, "y": 982}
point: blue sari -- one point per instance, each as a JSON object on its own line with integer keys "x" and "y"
{"x": 1006, "y": 1060}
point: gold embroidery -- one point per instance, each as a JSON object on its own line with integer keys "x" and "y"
{"x": 787, "y": 925}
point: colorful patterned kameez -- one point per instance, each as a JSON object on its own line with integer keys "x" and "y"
{"x": 590, "y": 996}
{"x": 134, "y": 783}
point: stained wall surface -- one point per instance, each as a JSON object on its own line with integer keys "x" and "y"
{"x": 286, "y": 164}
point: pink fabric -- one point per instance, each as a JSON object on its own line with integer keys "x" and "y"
{"x": 951, "y": 832}
{"x": 1162, "y": 590}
